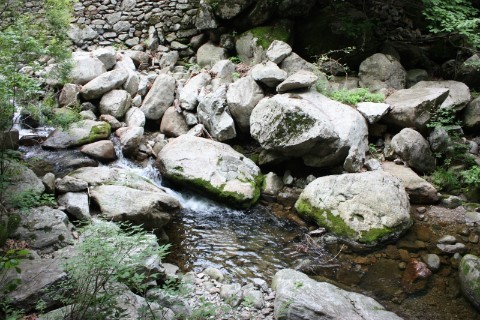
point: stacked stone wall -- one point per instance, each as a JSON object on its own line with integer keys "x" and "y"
{"x": 132, "y": 22}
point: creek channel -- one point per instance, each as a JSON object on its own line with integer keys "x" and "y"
{"x": 256, "y": 243}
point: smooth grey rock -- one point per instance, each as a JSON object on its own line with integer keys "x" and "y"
{"x": 268, "y": 73}
{"x": 432, "y": 261}
{"x": 85, "y": 67}
{"x": 373, "y": 165}
{"x": 173, "y": 123}
{"x": 348, "y": 205}
{"x": 439, "y": 139}
{"x": 248, "y": 49}
{"x": 242, "y": 97}
{"x": 471, "y": 115}
{"x": 273, "y": 184}
{"x": 49, "y": 182}
{"x": 70, "y": 184}
{"x": 469, "y": 272}
{"x": 209, "y": 54}
{"x": 168, "y": 60}
{"x": 132, "y": 82}
{"x": 373, "y": 111}
{"x": 381, "y": 71}
{"x": 414, "y": 107}
{"x": 159, "y": 98}
{"x": 412, "y": 147}
{"x": 122, "y": 203}
{"x": 88, "y": 115}
{"x": 458, "y": 93}
{"x": 130, "y": 140}
{"x": 254, "y": 297}
{"x": 101, "y": 150}
{"x": 79, "y": 133}
{"x": 135, "y": 117}
{"x": 278, "y": 50}
{"x": 107, "y": 55}
{"x": 300, "y": 297}
{"x": 76, "y": 203}
{"x": 447, "y": 239}
{"x": 23, "y": 180}
{"x": 416, "y": 75}
{"x": 214, "y": 274}
{"x": 116, "y": 103}
{"x": 299, "y": 80}
{"x": 94, "y": 176}
{"x": 211, "y": 167}
{"x": 125, "y": 62}
{"x": 452, "y": 248}
{"x": 419, "y": 190}
{"x": 190, "y": 92}
{"x": 45, "y": 229}
{"x": 294, "y": 63}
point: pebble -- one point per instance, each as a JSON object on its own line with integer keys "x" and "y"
{"x": 473, "y": 238}
{"x": 448, "y": 239}
{"x": 451, "y": 248}
{"x": 432, "y": 261}
{"x": 421, "y": 209}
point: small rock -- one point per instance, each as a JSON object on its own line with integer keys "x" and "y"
{"x": 448, "y": 239}
{"x": 452, "y": 248}
{"x": 421, "y": 209}
{"x": 214, "y": 274}
{"x": 415, "y": 276}
{"x": 432, "y": 261}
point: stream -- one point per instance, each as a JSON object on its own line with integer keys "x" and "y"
{"x": 255, "y": 243}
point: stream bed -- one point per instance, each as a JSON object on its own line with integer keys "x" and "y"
{"x": 255, "y": 243}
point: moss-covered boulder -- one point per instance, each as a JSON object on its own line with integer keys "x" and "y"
{"x": 78, "y": 134}
{"x": 212, "y": 168}
{"x": 469, "y": 273}
{"x": 252, "y": 45}
{"x": 367, "y": 208}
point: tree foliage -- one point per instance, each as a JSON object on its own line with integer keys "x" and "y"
{"x": 454, "y": 18}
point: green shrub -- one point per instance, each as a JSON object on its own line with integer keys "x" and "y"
{"x": 108, "y": 255}
{"x": 352, "y": 97}
{"x": 446, "y": 180}
{"x": 471, "y": 177}
{"x": 30, "y": 199}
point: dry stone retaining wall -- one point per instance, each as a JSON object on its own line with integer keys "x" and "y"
{"x": 132, "y": 22}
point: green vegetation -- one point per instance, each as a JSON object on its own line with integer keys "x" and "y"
{"x": 266, "y": 34}
{"x": 108, "y": 255}
{"x": 30, "y": 199}
{"x": 456, "y": 19}
{"x": 352, "y": 97}
{"x": 456, "y": 170}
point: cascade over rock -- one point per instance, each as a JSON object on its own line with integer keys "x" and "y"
{"x": 213, "y": 168}
{"x": 368, "y": 207}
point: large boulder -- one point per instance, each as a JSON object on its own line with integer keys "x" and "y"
{"x": 86, "y": 67}
{"x": 45, "y": 229}
{"x": 160, "y": 97}
{"x": 102, "y": 150}
{"x": 297, "y": 296}
{"x": 76, "y": 204}
{"x": 173, "y": 123}
{"x": 268, "y": 73}
{"x": 212, "y": 168}
{"x": 471, "y": 116}
{"x": 349, "y": 206}
{"x": 122, "y": 203}
{"x": 414, "y": 149}
{"x": 382, "y": 71}
{"x": 80, "y": 34}
{"x": 190, "y": 92}
{"x": 309, "y": 125}
{"x": 135, "y": 118}
{"x": 299, "y": 80}
{"x": 458, "y": 93}
{"x": 209, "y": 54}
{"x": 213, "y": 113}
{"x": 107, "y": 55}
{"x": 116, "y": 103}
{"x": 278, "y": 50}
{"x": 414, "y": 107}
{"x": 242, "y": 97}
{"x": 419, "y": 190}
{"x": 294, "y": 63}
{"x": 95, "y": 176}
{"x": 469, "y": 272}
{"x": 21, "y": 178}
{"x": 130, "y": 140}
{"x": 104, "y": 83}
{"x": 79, "y": 133}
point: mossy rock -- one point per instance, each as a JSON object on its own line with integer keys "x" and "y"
{"x": 469, "y": 273}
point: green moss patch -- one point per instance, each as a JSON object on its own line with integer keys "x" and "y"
{"x": 266, "y": 34}
{"x": 325, "y": 218}
{"x": 97, "y": 132}
{"x": 234, "y": 199}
